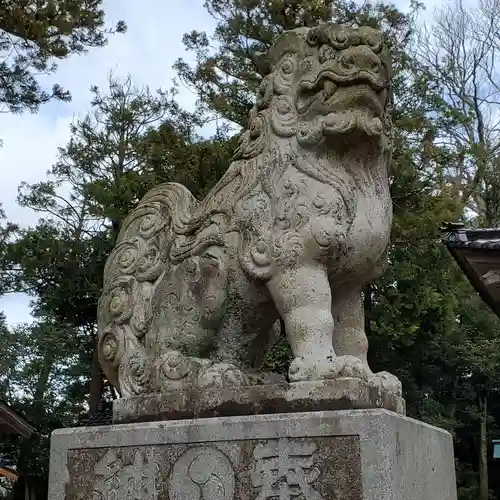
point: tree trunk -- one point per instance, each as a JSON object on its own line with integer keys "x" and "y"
{"x": 483, "y": 449}
{"x": 38, "y": 408}
{"x": 452, "y": 407}
{"x": 96, "y": 385}
{"x": 43, "y": 379}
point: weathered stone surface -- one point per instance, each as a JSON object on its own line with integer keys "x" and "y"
{"x": 339, "y": 394}
{"x": 217, "y": 470}
{"x": 348, "y": 455}
{"x": 296, "y": 227}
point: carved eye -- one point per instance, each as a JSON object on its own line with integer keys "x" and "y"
{"x": 256, "y": 127}
{"x": 372, "y": 39}
{"x": 341, "y": 36}
{"x": 287, "y": 67}
{"x": 326, "y": 53}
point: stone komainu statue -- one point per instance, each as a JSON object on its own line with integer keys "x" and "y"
{"x": 297, "y": 226}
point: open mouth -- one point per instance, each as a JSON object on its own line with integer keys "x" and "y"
{"x": 330, "y": 92}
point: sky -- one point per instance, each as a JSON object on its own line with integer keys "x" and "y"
{"x": 146, "y": 52}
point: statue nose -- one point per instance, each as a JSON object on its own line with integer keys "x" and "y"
{"x": 361, "y": 58}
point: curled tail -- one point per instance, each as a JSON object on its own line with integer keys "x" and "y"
{"x": 137, "y": 261}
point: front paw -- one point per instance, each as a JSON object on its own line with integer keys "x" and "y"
{"x": 386, "y": 382}
{"x": 352, "y": 367}
{"x": 331, "y": 367}
{"x": 308, "y": 369}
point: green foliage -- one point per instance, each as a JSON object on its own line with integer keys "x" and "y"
{"x": 6, "y": 231}
{"x": 425, "y": 322}
{"x": 228, "y": 66}
{"x": 35, "y": 34}
{"x": 38, "y": 380}
{"x": 104, "y": 162}
{"x": 197, "y": 163}
{"x": 279, "y": 357}
{"x": 126, "y": 144}
{"x": 61, "y": 270}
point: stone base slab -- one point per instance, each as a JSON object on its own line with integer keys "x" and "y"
{"x": 344, "y": 455}
{"x": 339, "y": 394}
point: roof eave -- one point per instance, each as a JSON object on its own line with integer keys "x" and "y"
{"x": 459, "y": 241}
{"x": 15, "y": 422}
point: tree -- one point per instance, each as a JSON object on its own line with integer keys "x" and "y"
{"x": 35, "y": 34}
{"x": 124, "y": 146}
{"x": 228, "y": 66}
{"x": 6, "y": 358}
{"x": 190, "y": 160}
{"x": 465, "y": 76}
{"x": 92, "y": 186}
{"x": 38, "y": 379}
{"x": 105, "y": 161}
{"x": 7, "y": 230}
{"x": 459, "y": 52}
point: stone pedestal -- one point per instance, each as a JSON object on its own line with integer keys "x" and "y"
{"x": 324, "y": 395}
{"x": 328, "y": 455}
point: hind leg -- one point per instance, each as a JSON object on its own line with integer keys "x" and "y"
{"x": 243, "y": 339}
{"x": 349, "y": 337}
{"x": 349, "y": 334}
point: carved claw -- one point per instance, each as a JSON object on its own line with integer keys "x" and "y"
{"x": 302, "y": 369}
{"x": 134, "y": 375}
{"x": 176, "y": 366}
{"x": 220, "y": 375}
{"x": 174, "y": 371}
{"x": 386, "y": 382}
{"x": 352, "y": 367}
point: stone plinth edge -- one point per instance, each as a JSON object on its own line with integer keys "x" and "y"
{"x": 339, "y": 394}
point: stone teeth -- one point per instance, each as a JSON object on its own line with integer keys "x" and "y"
{"x": 329, "y": 89}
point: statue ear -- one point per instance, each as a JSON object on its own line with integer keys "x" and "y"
{"x": 263, "y": 62}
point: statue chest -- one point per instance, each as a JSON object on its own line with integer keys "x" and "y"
{"x": 348, "y": 226}
{"x": 369, "y": 234}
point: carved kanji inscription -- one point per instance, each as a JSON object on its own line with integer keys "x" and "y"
{"x": 285, "y": 468}
{"x": 117, "y": 481}
{"x": 321, "y": 468}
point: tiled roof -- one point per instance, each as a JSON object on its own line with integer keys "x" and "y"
{"x": 492, "y": 244}
{"x": 456, "y": 236}
{"x": 473, "y": 263}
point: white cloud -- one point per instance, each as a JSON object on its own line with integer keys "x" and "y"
{"x": 16, "y": 308}
{"x": 146, "y": 52}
